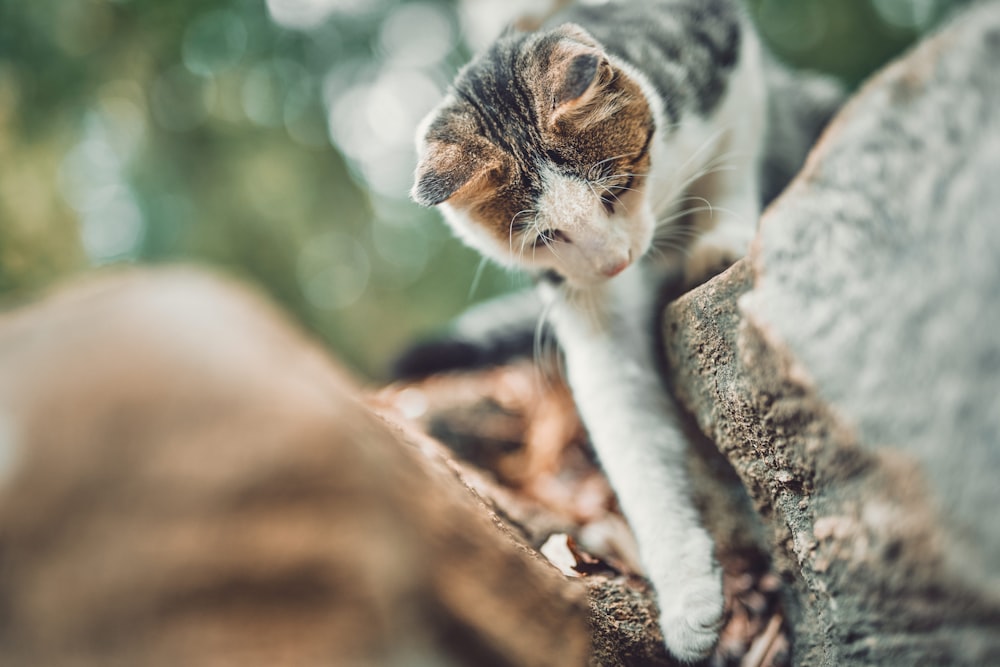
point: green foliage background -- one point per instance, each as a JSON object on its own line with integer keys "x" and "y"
{"x": 222, "y": 132}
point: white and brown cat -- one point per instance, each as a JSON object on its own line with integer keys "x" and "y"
{"x": 619, "y": 142}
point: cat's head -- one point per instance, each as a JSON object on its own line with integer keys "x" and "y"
{"x": 538, "y": 157}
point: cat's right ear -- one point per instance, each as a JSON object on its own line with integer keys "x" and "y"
{"x": 576, "y": 70}
{"x": 454, "y": 160}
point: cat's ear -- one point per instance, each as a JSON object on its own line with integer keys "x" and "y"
{"x": 447, "y": 170}
{"x": 454, "y": 161}
{"x": 575, "y": 70}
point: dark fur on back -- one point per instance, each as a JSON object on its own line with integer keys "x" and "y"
{"x": 687, "y": 48}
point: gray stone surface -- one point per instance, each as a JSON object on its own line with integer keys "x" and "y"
{"x": 881, "y": 274}
{"x": 848, "y": 368}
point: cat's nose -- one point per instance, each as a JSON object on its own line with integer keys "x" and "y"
{"x": 614, "y": 269}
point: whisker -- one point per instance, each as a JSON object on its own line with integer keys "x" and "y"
{"x": 605, "y": 179}
{"x": 542, "y": 338}
{"x": 711, "y": 139}
{"x": 655, "y": 250}
{"x": 510, "y": 232}
{"x": 617, "y": 200}
{"x": 613, "y": 187}
{"x": 677, "y": 232}
{"x": 683, "y": 249}
{"x": 536, "y": 234}
{"x": 524, "y": 241}
{"x": 602, "y": 197}
{"x": 548, "y": 244}
{"x": 663, "y": 223}
{"x": 707, "y": 207}
{"x": 617, "y": 157}
{"x": 476, "y": 278}
{"x": 717, "y": 163}
{"x": 682, "y": 186}
{"x": 596, "y": 165}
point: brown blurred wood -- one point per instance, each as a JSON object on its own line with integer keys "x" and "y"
{"x": 188, "y": 481}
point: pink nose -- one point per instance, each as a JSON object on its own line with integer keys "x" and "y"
{"x": 615, "y": 270}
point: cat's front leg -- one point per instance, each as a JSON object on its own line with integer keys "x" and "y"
{"x": 606, "y": 337}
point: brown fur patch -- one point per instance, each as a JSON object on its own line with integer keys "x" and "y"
{"x": 550, "y": 100}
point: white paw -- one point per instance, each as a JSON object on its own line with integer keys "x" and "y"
{"x": 691, "y": 601}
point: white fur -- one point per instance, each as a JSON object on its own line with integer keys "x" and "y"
{"x": 604, "y": 331}
{"x": 713, "y": 162}
{"x": 632, "y": 423}
{"x": 604, "y": 327}
{"x": 600, "y": 244}
{"x": 734, "y": 190}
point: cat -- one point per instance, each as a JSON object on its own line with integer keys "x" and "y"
{"x": 618, "y": 143}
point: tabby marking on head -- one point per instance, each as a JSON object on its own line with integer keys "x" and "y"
{"x": 542, "y": 149}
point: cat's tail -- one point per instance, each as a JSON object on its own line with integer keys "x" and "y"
{"x": 490, "y": 334}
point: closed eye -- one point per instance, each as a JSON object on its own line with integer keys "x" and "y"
{"x": 611, "y": 193}
{"x": 548, "y": 236}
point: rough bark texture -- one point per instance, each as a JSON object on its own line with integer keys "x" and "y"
{"x": 849, "y": 368}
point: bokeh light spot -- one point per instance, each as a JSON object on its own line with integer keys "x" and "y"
{"x": 908, "y": 14}
{"x": 266, "y": 87}
{"x": 87, "y": 172}
{"x": 121, "y": 108}
{"x": 214, "y": 42}
{"x": 180, "y": 100}
{"x": 304, "y": 116}
{"x": 309, "y": 14}
{"x": 375, "y": 123}
{"x": 404, "y": 247}
{"x": 333, "y": 270}
{"x": 794, "y": 26}
{"x": 112, "y": 231}
{"x": 417, "y": 35}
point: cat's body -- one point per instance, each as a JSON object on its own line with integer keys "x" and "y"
{"x": 620, "y": 141}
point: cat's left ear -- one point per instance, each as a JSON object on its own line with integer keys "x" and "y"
{"x": 574, "y": 71}
{"x": 454, "y": 160}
